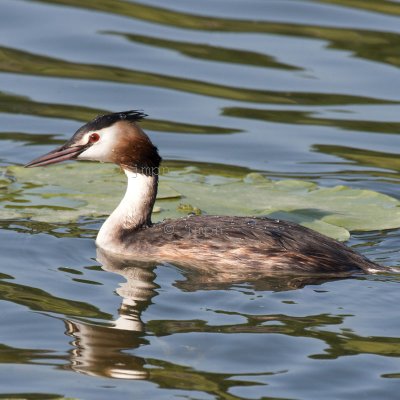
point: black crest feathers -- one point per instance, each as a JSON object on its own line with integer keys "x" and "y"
{"x": 106, "y": 120}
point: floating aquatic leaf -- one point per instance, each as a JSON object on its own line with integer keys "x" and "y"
{"x": 188, "y": 209}
{"x": 56, "y": 195}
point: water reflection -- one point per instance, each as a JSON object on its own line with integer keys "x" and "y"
{"x": 15, "y": 104}
{"x": 363, "y": 157}
{"x": 17, "y": 61}
{"x": 258, "y": 280}
{"x": 209, "y": 52}
{"x": 40, "y": 300}
{"x": 99, "y": 350}
{"x": 312, "y": 118}
{"x": 102, "y": 348}
{"x": 109, "y": 351}
{"x": 381, "y": 6}
{"x": 363, "y": 43}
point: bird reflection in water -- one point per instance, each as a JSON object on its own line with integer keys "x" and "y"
{"x": 101, "y": 350}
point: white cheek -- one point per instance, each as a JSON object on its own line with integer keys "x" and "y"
{"x": 95, "y": 153}
{"x": 100, "y": 151}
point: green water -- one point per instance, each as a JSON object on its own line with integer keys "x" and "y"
{"x": 292, "y": 89}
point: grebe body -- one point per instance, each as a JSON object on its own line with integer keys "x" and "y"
{"x": 205, "y": 242}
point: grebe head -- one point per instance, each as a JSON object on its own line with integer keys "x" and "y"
{"x": 115, "y": 138}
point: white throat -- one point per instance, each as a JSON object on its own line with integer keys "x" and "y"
{"x": 133, "y": 212}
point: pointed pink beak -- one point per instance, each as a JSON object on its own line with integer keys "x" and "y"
{"x": 56, "y": 156}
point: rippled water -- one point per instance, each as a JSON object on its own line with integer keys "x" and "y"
{"x": 304, "y": 89}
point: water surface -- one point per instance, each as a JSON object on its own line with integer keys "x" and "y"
{"x": 292, "y": 89}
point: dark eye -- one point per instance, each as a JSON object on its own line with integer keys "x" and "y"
{"x": 94, "y": 137}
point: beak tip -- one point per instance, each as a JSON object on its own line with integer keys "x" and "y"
{"x": 29, "y": 165}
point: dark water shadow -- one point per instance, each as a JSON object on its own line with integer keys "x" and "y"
{"x": 22, "y": 62}
{"x": 208, "y": 52}
{"x": 362, "y": 157}
{"x": 15, "y": 104}
{"x": 311, "y": 118}
{"x": 39, "y": 300}
{"x": 362, "y": 43}
{"x": 379, "y": 6}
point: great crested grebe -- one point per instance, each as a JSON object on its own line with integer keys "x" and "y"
{"x": 206, "y": 241}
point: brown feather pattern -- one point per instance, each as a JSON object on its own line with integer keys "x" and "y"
{"x": 218, "y": 242}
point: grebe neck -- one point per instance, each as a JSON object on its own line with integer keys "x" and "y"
{"x": 133, "y": 212}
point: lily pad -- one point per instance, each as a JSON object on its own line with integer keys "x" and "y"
{"x": 63, "y": 193}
